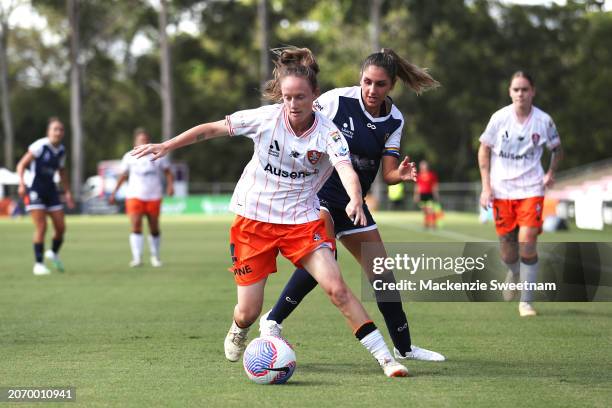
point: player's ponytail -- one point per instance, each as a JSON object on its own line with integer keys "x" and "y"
{"x": 291, "y": 61}
{"x": 418, "y": 79}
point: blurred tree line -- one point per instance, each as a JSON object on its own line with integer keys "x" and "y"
{"x": 471, "y": 47}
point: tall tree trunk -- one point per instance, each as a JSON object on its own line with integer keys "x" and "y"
{"x": 378, "y": 187}
{"x": 7, "y": 120}
{"x": 76, "y": 119}
{"x": 166, "y": 75}
{"x": 264, "y": 60}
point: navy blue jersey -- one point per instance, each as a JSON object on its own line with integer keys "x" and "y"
{"x": 47, "y": 160}
{"x": 369, "y": 139}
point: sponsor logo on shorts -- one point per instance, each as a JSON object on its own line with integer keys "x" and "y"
{"x": 242, "y": 270}
{"x": 316, "y": 237}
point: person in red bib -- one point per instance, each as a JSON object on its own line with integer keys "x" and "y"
{"x": 426, "y": 193}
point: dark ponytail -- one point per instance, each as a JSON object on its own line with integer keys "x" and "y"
{"x": 418, "y": 79}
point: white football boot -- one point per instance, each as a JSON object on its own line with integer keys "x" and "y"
{"x": 57, "y": 262}
{"x": 392, "y": 368}
{"x": 235, "y": 342}
{"x": 156, "y": 262}
{"x": 420, "y": 354}
{"x": 135, "y": 263}
{"x": 40, "y": 269}
{"x": 269, "y": 327}
{"x": 526, "y": 309}
{"x": 510, "y": 294}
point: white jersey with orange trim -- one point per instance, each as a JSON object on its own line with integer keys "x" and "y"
{"x": 280, "y": 183}
{"x": 516, "y": 150}
{"x": 145, "y": 176}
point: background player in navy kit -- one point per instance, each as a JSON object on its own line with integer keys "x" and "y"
{"x": 46, "y": 156}
{"x": 372, "y": 126}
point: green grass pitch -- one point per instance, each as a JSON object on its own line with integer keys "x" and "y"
{"x": 154, "y": 337}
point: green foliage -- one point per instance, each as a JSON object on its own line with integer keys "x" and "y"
{"x": 471, "y": 47}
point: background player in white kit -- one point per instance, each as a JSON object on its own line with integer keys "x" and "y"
{"x": 513, "y": 180}
{"x": 275, "y": 199}
{"x": 143, "y": 197}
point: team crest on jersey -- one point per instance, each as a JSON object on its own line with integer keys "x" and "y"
{"x": 313, "y": 156}
{"x": 535, "y": 138}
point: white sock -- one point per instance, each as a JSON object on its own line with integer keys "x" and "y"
{"x": 375, "y": 343}
{"x": 515, "y": 267}
{"x": 154, "y": 242}
{"x": 136, "y": 243}
{"x": 529, "y": 273}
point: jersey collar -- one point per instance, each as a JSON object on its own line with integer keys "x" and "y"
{"x": 370, "y": 117}
{"x": 306, "y": 133}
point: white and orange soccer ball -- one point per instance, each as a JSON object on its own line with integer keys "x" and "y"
{"x": 269, "y": 360}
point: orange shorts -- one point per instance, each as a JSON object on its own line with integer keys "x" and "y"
{"x": 254, "y": 246}
{"x": 136, "y": 206}
{"x": 525, "y": 212}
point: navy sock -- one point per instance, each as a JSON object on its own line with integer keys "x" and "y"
{"x": 56, "y": 244}
{"x": 390, "y": 305}
{"x": 397, "y": 324}
{"x": 38, "y": 251}
{"x": 300, "y": 284}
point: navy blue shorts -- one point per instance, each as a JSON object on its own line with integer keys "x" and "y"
{"x": 43, "y": 199}
{"x": 343, "y": 224}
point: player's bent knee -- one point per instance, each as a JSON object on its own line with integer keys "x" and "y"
{"x": 339, "y": 294}
{"x": 246, "y": 317}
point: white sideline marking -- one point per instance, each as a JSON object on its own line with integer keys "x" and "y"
{"x": 457, "y": 236}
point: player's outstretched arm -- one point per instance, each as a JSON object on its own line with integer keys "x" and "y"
{"x": 350, "y": 181}
{"x": 395, "y": 172}
{"x": 484, "y": 163}
{"x": 196, "y": 134}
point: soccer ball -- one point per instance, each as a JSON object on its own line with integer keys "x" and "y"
{"x": 269, "y": 360}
